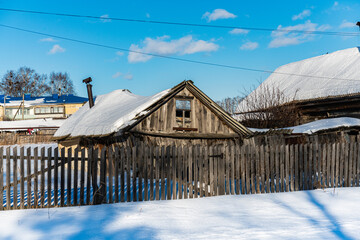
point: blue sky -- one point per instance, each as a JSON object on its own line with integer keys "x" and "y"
{"x": 112, "y": 70}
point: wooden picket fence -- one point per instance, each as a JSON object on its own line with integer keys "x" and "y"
{"x": 39, "y": 177}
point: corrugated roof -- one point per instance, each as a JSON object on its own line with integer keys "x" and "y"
{"x": 42, "y": 100}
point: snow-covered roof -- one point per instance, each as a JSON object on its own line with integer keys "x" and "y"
{"x": 320, "y": 125}
{"x": 111, "y": 113}
{"x": 343, "y": 64}
{"x": 26, "y": 124}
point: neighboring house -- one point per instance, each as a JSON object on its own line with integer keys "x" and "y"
{"x": 335, "y": 92}
{"x": 180, "y": 115}
{"x": 54, "y": 106}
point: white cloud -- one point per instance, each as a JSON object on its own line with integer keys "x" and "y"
{"x": 346, "y": 24}
{"x": 105, "y": 18}
{"x": 164, "y": 46}
{"x": 302, "y": 15}
{"x": 284, "y": 38}
{"x": 116, "y": 75}
{"x": 249, "y": 46}
{"x": 147, "y": 15}
{"x": 129, "y": 76}
{"x": 47, "y": 40}
{"x": 56, "y": 49}
{"x": 336, "y": 4}
{"x": 218, "y": 14}
{"x": 119, "y": 53}
{"x": 239, "y": 31}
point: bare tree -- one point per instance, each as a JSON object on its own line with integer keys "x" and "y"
{"x": 230, "y": 104}
{"x": 61, "y": 83}
{"x": 268, "y": 107}
{"x": 25, "y": 80}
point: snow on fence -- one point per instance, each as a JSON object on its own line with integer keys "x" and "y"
{"x": 49, "y": 178}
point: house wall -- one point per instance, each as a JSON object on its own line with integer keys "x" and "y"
{"x": 72, "y": 108}
{"x": 203, "y": 121}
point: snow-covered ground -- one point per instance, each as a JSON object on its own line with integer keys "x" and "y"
{"x": 315, "y": 214}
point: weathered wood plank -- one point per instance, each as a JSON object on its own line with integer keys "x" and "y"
{"x": 310, "y": 166}
{"x": 68, "y": 178}
{"x": 282, "y": 167}
{"x": 168, "y": 172}
{"x": 216, "y": 176}
{"x": 206, "y": 171}
{"x": 201, "y": 169}
{"x": 211, "y": 170}
{"x": 62, "y": 178}
{"x": 42, "y": 180}
{"x": 140, "y": 166}
{"x": 350, "y": 165}
{"x": 277, "y": 167}
{"x": 267, "y": 169}
{"x": 221, "y": 171}
{"x": 232, "y": 169}
{"x": 15, "y": 178}
{"x": 22, "y": 177}
{"x": 257, "y": 168}
{"x": 103, "y": 187}
{"x": 163, "y": 174}
{"x": 145, "y": 172}
{"x": 157, "y": 173}
{"x": 151, "y": 166}
{"x": 358, "y": 167}
{"x": 173, "y": 171}
{"x": 120, "y": 161}
{"x": 328, "y": 162}
{"x": 240, "y": 165}
{"x": 337, "y": 164}
{"x": 296, "y": 175}
{"x": 185, "y": 170}
{"x": 306, "y": 167}
{"x": 190, "y": 164}
{"x": 353, "y": 175}
{"x": 8, "y": 188}
{"x": 333, "y": 156}
{"x": 179, "y": 171}
{"x": 128, "y": 174}
{"x": 82, "y": 177}
{"x": 248, "y": 167}
{"x": 291, "y": 168}
{"x": 75, "y": 172}
{"x": 88, "y": 174}
{"x": 346, "y": 164}
{"x": 110, "y": 170}
{"x": 134, "y": 174}
{"x": 287, "y": 169}
{"x": 28, "y": 179}
{"x": 301, "y": 166}
{"x": 49, "y": 177}
{"x": 342, "y": 164}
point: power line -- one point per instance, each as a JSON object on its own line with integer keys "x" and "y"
{"x": 169, "y": 57}
{"x": 348, "y": 34}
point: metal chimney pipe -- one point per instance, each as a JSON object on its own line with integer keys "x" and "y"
{"x": 89, "y": 91}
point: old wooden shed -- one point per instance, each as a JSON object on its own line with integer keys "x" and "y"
{"x": 180, "y": 115}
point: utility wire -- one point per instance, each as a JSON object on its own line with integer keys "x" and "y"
{"x": 169, "y": 57}
{"x": 348, "y": 34}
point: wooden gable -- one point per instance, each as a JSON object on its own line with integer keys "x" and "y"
{"x": 197, "y": 122}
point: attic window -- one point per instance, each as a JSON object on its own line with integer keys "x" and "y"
{"x": 183, "y": 112}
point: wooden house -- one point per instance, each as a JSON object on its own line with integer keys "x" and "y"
{"x": 180, "y": 115}
{"x": 324, "y": 86}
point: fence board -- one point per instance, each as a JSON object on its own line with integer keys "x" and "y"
{"x": 128, "y": 174}
{"x": 28, "y": 178}
{"x": 354, "y": 170}
{"x": 62, "y": 178}
{"x": 49, "y": 177}
{"x": 351, "y": 159}
{"x": 337, "y": 164}
{"x": 134, "y": 174}
{"x": 15, "y": 177}
{"x": 201, "y": 169}
{"x": 145, "y": 173}
{"x": 296, "y": 176}
{"x": 151, "y": 165}
{"x": 8, "y": 201}
{"x": 88, "y": 175}
{"x": 103, "y": 170}
{"x": 42, "y": 179}
{"x": 346, "y": 164}
{"x": 358, "y": 167}
{"x": 262, "y": 168}
{"x": 185, "y": 169}
{"x": 140, "y": 166}
{"x": 328, "y": 162}
{"x": 240, "y": 168}
{"x": 257, "y": 168}
{"x": 173, "y": 171}
{"x": 333, "y": 156}
{"x": 110, "y": 169}
{"x": 232, "y": 169}
{"x": 277, "y": 167}
{"x": 190, "y": 164}
{"x": 157, "y": 173}
{"x": 22, "y": 177}
{"x": 287, "y": 169}
{"x": 282, "y": 167}
{"x": 291, "y": 167}
{"x": 168, "y": 173}
{"x": 306, "y": 167}
{"x": 206, "y": 171}
{"x": 267, "y": 169}
{"x": 301, "y": 167}
{"x": 221, "y": 170}
{"x": 119, "y": 163}
{"x": 179, "y": 165}
{"x": 163, "y": 165}
{"x": 82, "y": 177}
{"x": 68, "y": 179}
